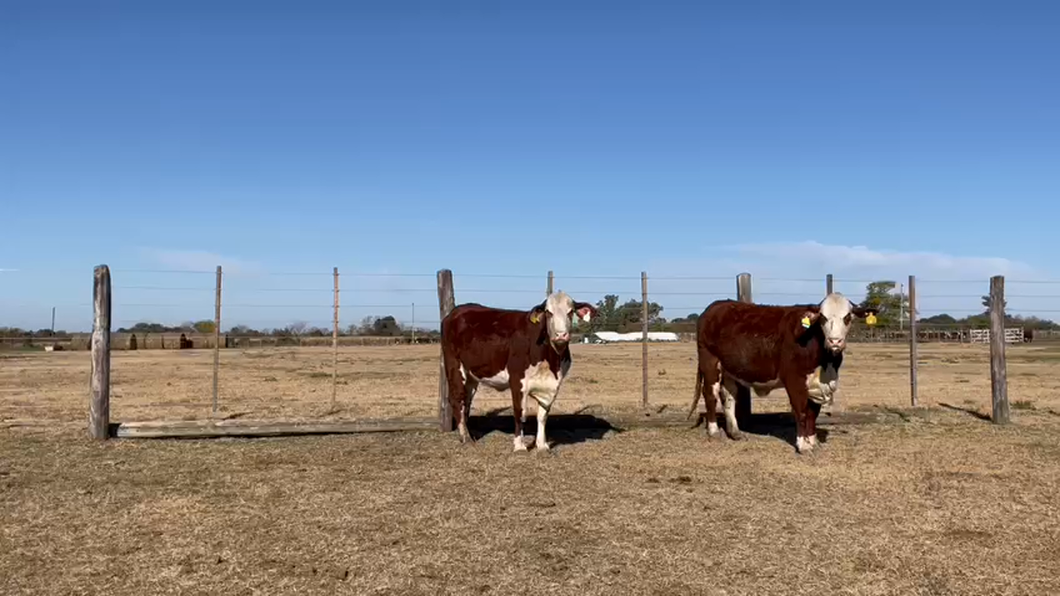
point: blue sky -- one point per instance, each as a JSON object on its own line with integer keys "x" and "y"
{"x": 590, "y": 138}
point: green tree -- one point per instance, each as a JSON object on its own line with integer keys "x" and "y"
{"x": 940, "y": 319}
{"x": 605, "y": 314}
{"x": 386, "y": 327}
{"x": 203, "y": 326}
{"x": 632, "y": 312}
{"x": 987, "y": 302}
{"x": 891, "y": 304}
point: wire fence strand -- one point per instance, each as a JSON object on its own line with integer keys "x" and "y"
{"x": 165, "y": 296}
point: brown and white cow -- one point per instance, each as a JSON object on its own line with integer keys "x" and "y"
{"x": 526, "y": 352}
{"x": 765, "y": 347}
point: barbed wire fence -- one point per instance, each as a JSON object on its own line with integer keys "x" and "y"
{"x": 218, "y": 314}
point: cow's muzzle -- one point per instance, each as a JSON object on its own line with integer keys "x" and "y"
{"x": 835, "y": 346}
{"x": 560, "y": 341}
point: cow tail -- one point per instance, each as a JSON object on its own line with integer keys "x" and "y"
{"x": 698, "y": 393}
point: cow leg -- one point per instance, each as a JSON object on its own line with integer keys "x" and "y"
{"x": 470, "y": 387}
{"x": 542, "y": 415}
{"x": 743, "y": 405}
{"x": 728, "y": 390}
{"x": 712, "y": 379}
{"x": 799, "y": 396}
{"x": 518, "y": 416}
{"x": 707, "y": 386}
{"x": 457, "y": 378}
{"x": 813, "y": 409}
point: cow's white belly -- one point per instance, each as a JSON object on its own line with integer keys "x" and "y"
{"x": 821, "y": 384}
{"x": 500, "y": 381}
{"x": 762, "y": 389}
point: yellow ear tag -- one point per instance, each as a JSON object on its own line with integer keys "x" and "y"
{"x": 534, "y": 318}
{"x": 806, "y": 322}
{"x": 870, "y": 319}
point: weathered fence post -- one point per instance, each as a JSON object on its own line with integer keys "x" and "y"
{"x": 446, "y": 303}
{"x": 743, "y": 288}
{"x": 912, "y": 341}
{"x": 644, "y": 339}
{"x": 551, "y": 284}
{"x": 828, "y": 285}
{"x": 998, "y": 380}
{"x": 743, "y": 394}
{"x": 99, "y": 407}
{"x": 216, "y": 337}
{"x": 335, "y": 339}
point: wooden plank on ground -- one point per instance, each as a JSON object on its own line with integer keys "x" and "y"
{"x": 161, "y": 429}
{"x": 264, "y": 428}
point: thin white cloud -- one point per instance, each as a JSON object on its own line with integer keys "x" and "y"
{"x": 6, "y": 270}
{"x": 200, "y": 260}
{"x": 794, "y": 272}
{"x": 863, "y": 261}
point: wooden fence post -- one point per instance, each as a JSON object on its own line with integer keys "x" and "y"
{"x": 446, "y": 303}
{"x": 551, "y": 284}
{"x": 216, "y": 338}
{"x": 335, "y": 340}
{"x": 644, "y": 339}
{"x": 998, "y": 380}
{"x": 743, "y": 394}
{"x": 829, "y": 287}
{"x": 912, "y": 341}
{"x": 743, "y": 288}
{"x": 99, "y": 407}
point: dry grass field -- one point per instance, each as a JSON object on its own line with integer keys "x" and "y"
{"x": 927, "y": 501}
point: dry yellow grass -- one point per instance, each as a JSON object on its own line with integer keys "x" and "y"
{"x": 928, "y": 501}
{"x": 402, "y": 381}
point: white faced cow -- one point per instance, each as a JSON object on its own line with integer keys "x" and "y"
{"x": 799, "y": 348}
{"x": 525, "y": 352}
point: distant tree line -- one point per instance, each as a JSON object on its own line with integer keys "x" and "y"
{"x": 611, "y": 316}
{"x": 893, "y": 310}
{"x": 374, "y": 326}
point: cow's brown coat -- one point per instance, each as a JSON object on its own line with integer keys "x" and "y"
{"x": 759, "y": 344}
{"x": 487, "y": 341}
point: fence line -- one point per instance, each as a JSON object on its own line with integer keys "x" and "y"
{"x": 992, "y": 326}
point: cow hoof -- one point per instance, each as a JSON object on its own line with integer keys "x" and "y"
{"x": 804, "y": 446}
{"x": 736, "y": 435}
{"x": 543, "y": 448}
{"x": 519, "y": 445}
{"x": 712, "y": 430}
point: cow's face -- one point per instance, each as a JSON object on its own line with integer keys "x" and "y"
{"x": 558, "y": 311}
{"x": 834, "y": 315}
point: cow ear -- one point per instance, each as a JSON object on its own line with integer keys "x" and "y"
{"x": 585, "y": 311}
{"x": 537, "y": 313}
{"x": 807, "y": 320}
{"x": 864, "y": 311}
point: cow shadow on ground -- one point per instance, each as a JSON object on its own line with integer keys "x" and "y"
{"x": 561, "y": 429}
{"x": 778, "y": 425}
